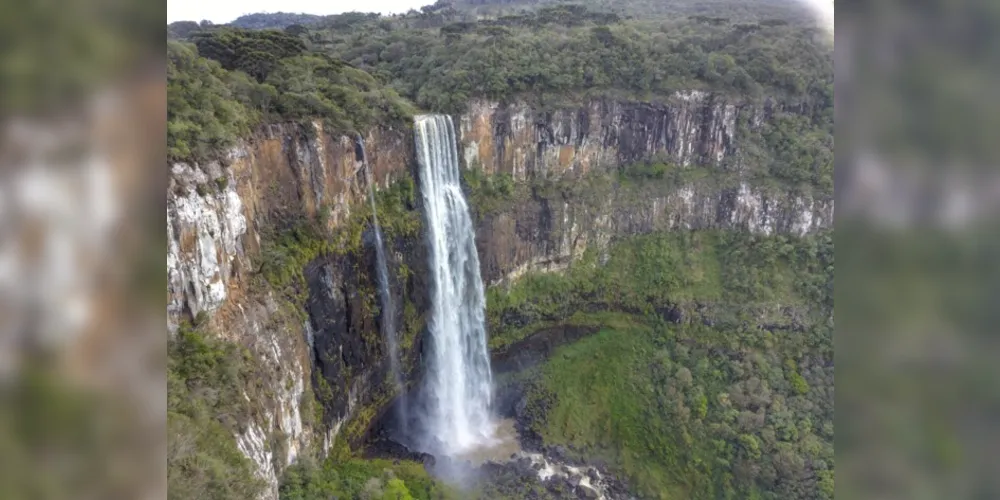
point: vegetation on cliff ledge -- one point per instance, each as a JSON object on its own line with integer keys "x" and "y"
{"x": 712, "y": 375}
{"x": 725, "y": 276}
{"x": 286, "y": 250}
{"x": 206, "y": 382}
{"x": 362, "y": 479}
{"x": 228, "y": 81}
{"x": 690, "y": 412}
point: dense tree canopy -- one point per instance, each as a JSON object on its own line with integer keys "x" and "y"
{"x": 274, "y": 20}
{"x": 351, "y": 68}
{"x": 204, "y": 114}
{"x": 441, "y": 57}
{"x": 231, "y": 80}
{"x": 745, "y": 11}
{"x": 255, "y": 53}
{"x": 206, "y": 384}
{"x": 737, "y": 403}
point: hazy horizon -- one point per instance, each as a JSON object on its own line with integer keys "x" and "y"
{"x": 224, "y": 12}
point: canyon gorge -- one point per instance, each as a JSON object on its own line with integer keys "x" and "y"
{"x": 220, "y": 214}
{"x": 486, "y": 250}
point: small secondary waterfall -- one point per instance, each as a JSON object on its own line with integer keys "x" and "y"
{"x": 388, "y": 316}
{"x": 458, "y": 384}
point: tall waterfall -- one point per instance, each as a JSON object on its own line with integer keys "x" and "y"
{"x": 388, "y": 315}
{"x": 459, "y": 383}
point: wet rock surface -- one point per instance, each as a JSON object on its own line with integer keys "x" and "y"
{"x": 538, "y": 475}
{"x": 535, "y": 471}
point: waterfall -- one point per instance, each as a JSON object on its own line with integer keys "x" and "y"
{"x": 388, "y": 313}
{"x": 458, "y": 384}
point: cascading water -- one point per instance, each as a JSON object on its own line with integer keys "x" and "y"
{"x": 458, "y": 384}
{"x": 388, "y": 316}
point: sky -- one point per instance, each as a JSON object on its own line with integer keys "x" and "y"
{"x": 224, "y": 11}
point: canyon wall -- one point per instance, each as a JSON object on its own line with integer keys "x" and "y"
{"x": 319, "y": 339}
{"x": 216, "y": 212}
{"x": 547, "y": 234}
{"x": 700, "y": 132}
{"x": 692, "y": 128}
{"x": 220, "y": 216}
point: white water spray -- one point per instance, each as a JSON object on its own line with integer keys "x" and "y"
{"x": 459, "y": 383}
{"x": 388, "y": 313}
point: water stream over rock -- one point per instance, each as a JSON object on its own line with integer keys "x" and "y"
{"x": 458, "y": 386}
{"x": 388, "y": 307}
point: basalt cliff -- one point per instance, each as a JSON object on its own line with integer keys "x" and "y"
{"x": 316, "y": 337}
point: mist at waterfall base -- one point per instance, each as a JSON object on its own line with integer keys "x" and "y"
{"x": 387, "y": 314}
{"x": 451, "y": 413}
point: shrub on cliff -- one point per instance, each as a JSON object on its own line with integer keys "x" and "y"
{"x": 205, "y": 383}
{"x": 203, "y": 115}
{"x": 285, "y": 254}
{"x": 361, "y": 479}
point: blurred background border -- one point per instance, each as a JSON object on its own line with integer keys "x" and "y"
{"x": 917, "y": 191}
{"x": 82, "y": 249}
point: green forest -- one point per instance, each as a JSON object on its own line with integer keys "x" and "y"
{"x": 439, "y": 58}
{"x": 356, "y": 70}
{"x": 712, "y": 373}
{"x": 224, "y": 83}
{"x": 205, "y": 382}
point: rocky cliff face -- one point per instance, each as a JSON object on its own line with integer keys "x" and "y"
{"x": 547, "y": 234}
{"x": 350, "y": 354}
{"x": 698, "y": 131}
{"x": 323, "y": 339}
{"x": 691, "y": 128}
{"x": 215, "y": 213}
{"x": 217, "y": 216}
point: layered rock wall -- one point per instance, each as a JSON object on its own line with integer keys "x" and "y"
{"x": 690, "y": 129}
{"x": 215, "y": 213}
{"x": 218, "y": 216}
{"x": 547, "y": 234}
{"x": 696, "y": 131}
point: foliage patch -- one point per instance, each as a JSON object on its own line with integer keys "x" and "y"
{"x": 206, "y": 380}
{"x": 684, "y": 412}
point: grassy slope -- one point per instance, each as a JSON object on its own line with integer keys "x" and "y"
{"x": 620, "y": 396}
{"x": 603, "y": 398}
{"x": 687, "y": 410}
{"x": 731, "y": 274}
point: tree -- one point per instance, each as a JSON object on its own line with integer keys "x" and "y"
{"x": 750, "y": 445}
{"x": 683, "y": 377}
{"x": 203, "y": 118}
{"x": 296, "y": 30}
{"x": 181, "y": 29}
{"x": 255, "y": 53}
{"x": 396, "y": 490}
